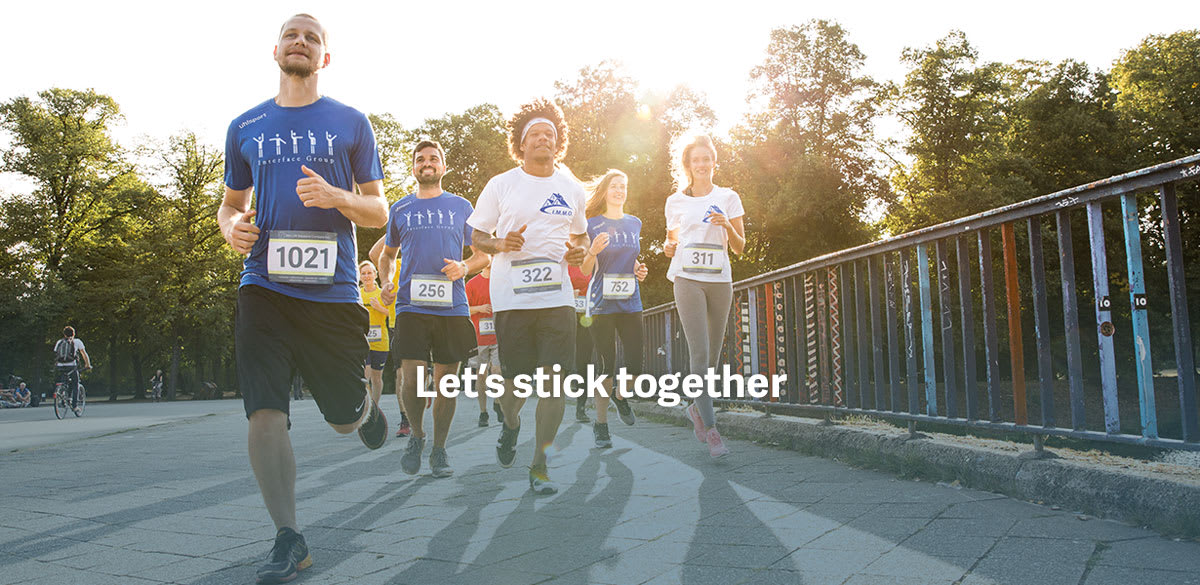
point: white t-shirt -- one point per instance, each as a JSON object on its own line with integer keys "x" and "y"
{"x": 552, "y": 208}
{"x": 78, "y": 348}
{"x": 703, "y": 251}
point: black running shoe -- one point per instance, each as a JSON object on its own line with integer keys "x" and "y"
{"x": 374, "y": 430}
{"x": 623, "y": 409}
{"x": 506, "y": 450}
{"x": 289, "y": 556}
{"x": 581, "y": 411}
{"x": 600, "y": 431}
{"x": 499, "y": 412}
{"x": 483, "y": 419}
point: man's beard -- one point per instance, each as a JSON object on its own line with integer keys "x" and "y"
{"x": 301, "y": 71}
{"x": 428, "y": 180}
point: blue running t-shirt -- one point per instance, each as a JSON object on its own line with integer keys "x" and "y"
{"x": 614, "y": 288}
{"x": 428, "y": 231}
{"x": 264, "y": 149}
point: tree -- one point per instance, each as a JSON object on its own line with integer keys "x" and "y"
{"x": 803, "y": 159}
{"x": 1158, "y": 93}
{"x": 954, "y": 108}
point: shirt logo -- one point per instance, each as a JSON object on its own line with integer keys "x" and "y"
{"x": 556, "y": 205}
{"x": 711, "y": 209}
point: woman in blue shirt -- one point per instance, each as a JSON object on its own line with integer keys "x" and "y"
{"x": 614, "y": 295}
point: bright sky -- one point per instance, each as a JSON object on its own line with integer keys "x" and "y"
{"x": 196, "y": 65}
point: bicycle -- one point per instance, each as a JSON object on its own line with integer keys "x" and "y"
{"x": 62, "y": 400}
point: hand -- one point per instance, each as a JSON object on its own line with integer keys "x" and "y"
{"x": 599, "y": 244}
{"x": 486, "y": 308}
{"x": 389, "y": 293}
{"x": 575, "y": 254}
{"x": 514, "y": 241}
{"x": 718, "y": 219}
{"x": 669, "y": 248}
{"x": 243, "y": 234}
{"x": 640, "y": 271}
{"x": 315, "y": 191}
{"x": 454, "y": 269}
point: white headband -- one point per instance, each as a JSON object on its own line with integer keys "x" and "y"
{"x": 530, "y": 124}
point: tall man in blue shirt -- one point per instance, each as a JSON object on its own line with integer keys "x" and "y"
{"x": 299, "y": 156}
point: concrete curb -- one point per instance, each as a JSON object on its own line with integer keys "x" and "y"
{"x": 1170, "y": 507}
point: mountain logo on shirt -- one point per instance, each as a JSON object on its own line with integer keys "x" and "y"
{"x": 711, "y": 209}
{"x": 556, "y": 205}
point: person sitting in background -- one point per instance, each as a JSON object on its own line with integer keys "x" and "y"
{"x": 16, "y": 398}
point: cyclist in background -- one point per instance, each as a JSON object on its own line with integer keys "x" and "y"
{"x": 67, "y": 353}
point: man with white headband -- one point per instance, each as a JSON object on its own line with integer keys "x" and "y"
{"x": 531, "y": 220}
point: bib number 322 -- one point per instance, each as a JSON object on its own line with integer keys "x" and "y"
{"x": 299, "y": 257}
{"x": 536, "y": 275}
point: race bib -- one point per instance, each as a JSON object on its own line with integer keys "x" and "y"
{"x": 580, "y": 304}
{"x": 297, "y": 257}
{"x": 375, "y": 334}
{"x": 487, "y": 326}
{"x": 704, "y": 258}
{"x": 536, "y": 275}
{"x": 431, "y": 290}
{"x": 618, "y": 287}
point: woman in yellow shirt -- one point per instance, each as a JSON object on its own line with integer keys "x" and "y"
{"x": 377, "y": 335}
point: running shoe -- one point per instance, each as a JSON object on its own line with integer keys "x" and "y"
{"x": 410, "y": 462}
{"x": 288, "y": 557}
{"x": 404, "y": 429}
{"x": 499, "y": 412}
{"x": 506, "y": 447}
{"x": 439, "y": 466}
{"x": 581, "y": 412}
{"x": 600, "y": 431}
{"x": 716, "y": 447}
{"x": 373, "y": 431}
{"x": 624, "y": 410}
{"x": 539, "y": 481}
{"x": 483, "y": 419}
{"x": 697, "y": 424}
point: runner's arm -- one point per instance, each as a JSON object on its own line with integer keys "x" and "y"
{"x": 476, "y": 262}
{"x": 234, "y": 217}
{"x": 376, "y": 250}
{"x": 578, "y": 249}
{"x": 387, "y": 265}
{"x": 368, "y": 208}
{"x": 486, "y": 243}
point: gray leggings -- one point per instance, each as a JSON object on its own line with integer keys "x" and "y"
{"x": 704, "y": 310}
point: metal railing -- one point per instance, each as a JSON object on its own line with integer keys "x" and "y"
{"x": 855, "y": 330}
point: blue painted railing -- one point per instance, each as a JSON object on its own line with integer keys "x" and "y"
{"x": 820, "y": 322}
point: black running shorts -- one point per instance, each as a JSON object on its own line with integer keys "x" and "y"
{"x": 442, "y": 339}
{"x": 326, "y": 342}
{"x": 529, "y": 338}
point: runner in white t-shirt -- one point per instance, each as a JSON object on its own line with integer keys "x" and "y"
{"x": 531, "y": 220}
{"x": 704, "y": 222}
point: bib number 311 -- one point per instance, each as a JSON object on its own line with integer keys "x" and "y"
{"x": 704, "y": 258}
{"x": 298, "y": 257}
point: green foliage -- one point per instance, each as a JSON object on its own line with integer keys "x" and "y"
{"x": 803, "y": 161}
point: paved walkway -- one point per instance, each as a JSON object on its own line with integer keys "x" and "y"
{"x": 176, "y": 503}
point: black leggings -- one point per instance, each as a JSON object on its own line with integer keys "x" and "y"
{"x": 605, "y": 328}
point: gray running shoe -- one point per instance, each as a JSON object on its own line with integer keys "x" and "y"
{"x": 581, "y": 411}
{"x": 600, "y": 430}
{"x": 539, "y": 481}
{"x": 624, "y": 410}
{"x": 439, "y": 466}
{"x": 288, "y": 557}
{"x": 410, "y": 462}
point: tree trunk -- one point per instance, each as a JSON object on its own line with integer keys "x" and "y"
{"x": 112, "y": 367}
{"x": 174, "y": 370}
{"x": 139, "y": 392}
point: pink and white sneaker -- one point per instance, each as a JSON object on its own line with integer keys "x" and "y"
{"x": 697, "y": 424}
{"x": 716, "y": 447}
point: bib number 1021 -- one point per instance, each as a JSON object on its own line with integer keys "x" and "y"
{"x": 299, "y": 257}
{"x": 306, "y": 257}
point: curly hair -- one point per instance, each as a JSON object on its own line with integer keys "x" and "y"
{"x": 539, "y": 108}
